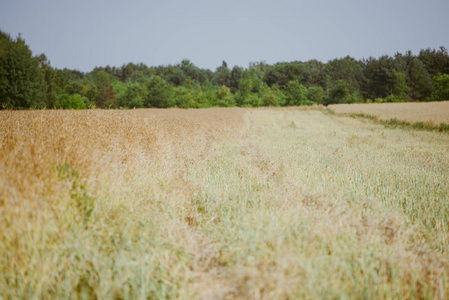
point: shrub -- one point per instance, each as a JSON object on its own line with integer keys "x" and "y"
{"x": 393, "y": 98}
{"x": 75, "y": 101}
{"x": 380, "y": 100}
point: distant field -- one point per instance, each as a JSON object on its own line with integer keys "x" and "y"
{"x": 429, "y": 112}
{"x": 220, "y": 204}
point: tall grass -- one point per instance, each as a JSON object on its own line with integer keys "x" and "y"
{"x": 220, "y": 204}
{"x": 87, "y": 200}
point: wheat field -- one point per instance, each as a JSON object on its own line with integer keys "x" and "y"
{"x": 220, "y": 204}
{"x": 432, "y": 113}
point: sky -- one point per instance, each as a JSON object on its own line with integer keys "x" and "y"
{"x": 84, "y": 34}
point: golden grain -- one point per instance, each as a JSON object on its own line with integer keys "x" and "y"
{"x": 429, "y": 112}
{"x": 220, "y": 204}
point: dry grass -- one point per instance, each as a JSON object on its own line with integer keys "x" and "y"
{"x": 433, "y": 113}
{"x": 220, "y": 204}
{"x": 87, "y": 199}
{"x": 284, "y": 108}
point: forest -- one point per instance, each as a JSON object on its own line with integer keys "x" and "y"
{"x": 29, "y": 81}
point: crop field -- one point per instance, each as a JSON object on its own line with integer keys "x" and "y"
{"x": 432, "y": 113}
{"x": 222, "y": 203}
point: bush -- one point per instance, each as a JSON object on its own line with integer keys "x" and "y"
{"x": 136, "y": 102}
{"x": 253, "y": 100}
{"x": 75, "y": 101}
{"x": 307, "y": 102}
{"x": 393, "y": 98}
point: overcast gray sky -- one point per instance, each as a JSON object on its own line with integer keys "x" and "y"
{"x": 83, "y": 34}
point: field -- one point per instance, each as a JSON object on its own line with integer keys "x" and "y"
{"x": 432, "y": 113}
{"x": 220, "y": 204}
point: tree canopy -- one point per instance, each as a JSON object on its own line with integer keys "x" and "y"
{"x": 28, "y": 81}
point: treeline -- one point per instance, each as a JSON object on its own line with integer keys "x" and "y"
{"x": 28, "y": 81}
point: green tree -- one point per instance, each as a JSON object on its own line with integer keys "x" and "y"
{"x": 378, "y": 76}
{"x": 225, "y": 97}
{"x": 209, "y": 93}
{"x": 222, "y": 75}
{"x": 175, "y": 75}
{"x": 74, "y": 87}
{"x": 283, "y": 73}
{"x": 106, "y": 96}
{"x": 48, "y": 81}
{"x": 339, "y": 93}
{"x": 400, "y": 89}
{"x": 236, "y": 74}
{"x": 441, "y": 87}
{"x": 132, "y": 96}
{"x": 75, "y": 101}
{"x": 270, "y": 97}
{"x": 435, "y": 61}
{"x": 90, "y": 90}
{"x": 160, "y": 93}
{"x": 21, "y": 83}
{"x": 249, "y": 87}
{"x": 316, "y": 94}
{"x": 193, "y": 72}
{"x": 295, "y": 93}
{"x": 348, "y": 69}
{"x": 314, "y": 74}
{"x": 420, "y": 82}
{"x": 190, "y": 95}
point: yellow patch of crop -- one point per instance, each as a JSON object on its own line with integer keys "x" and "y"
{"x": 220, "y": 204}
{"x": 428, "y": 112}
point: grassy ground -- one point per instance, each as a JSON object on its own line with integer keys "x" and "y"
{"x": 424, "y": 115}
{"x": 220, "y": 204}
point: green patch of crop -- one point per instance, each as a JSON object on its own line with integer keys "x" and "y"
{"x": 83, "y": 201}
